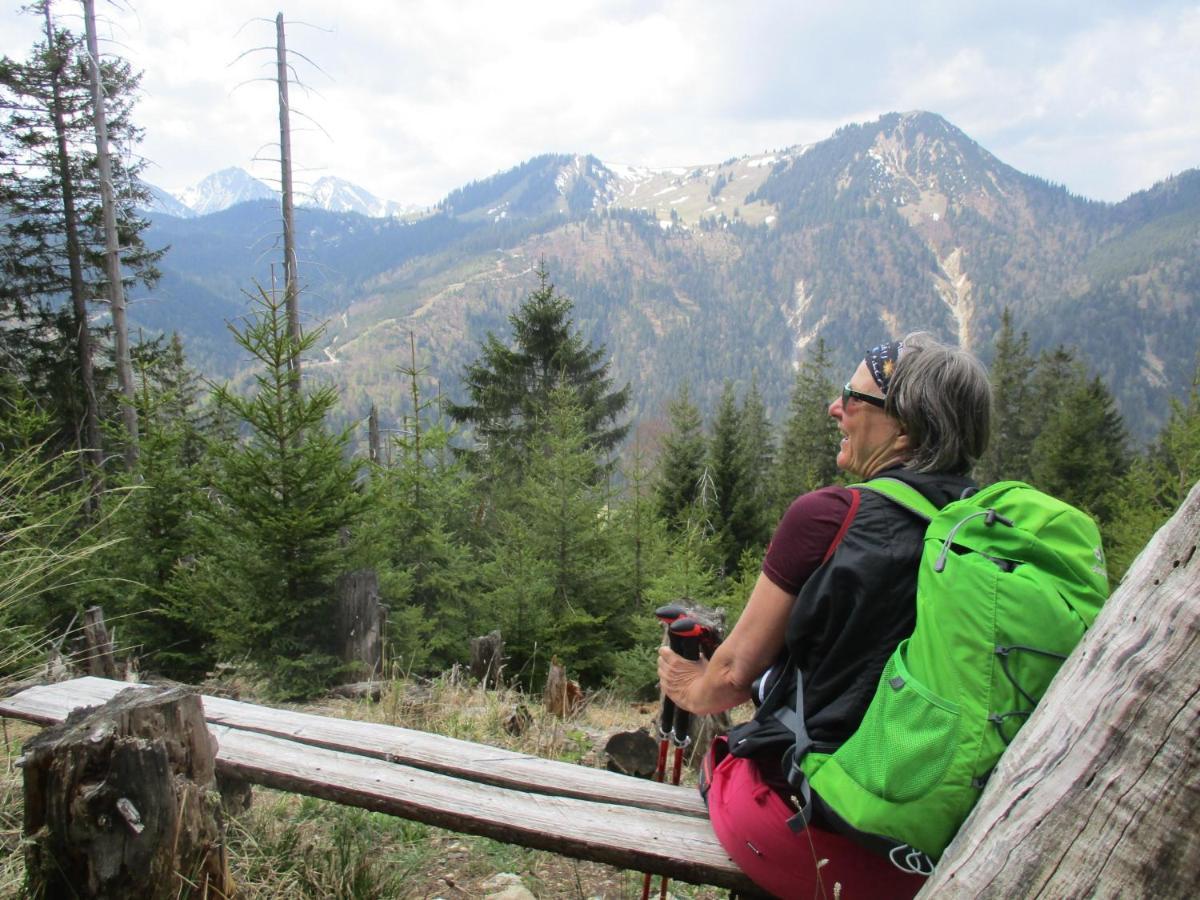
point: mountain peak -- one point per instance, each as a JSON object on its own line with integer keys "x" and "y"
{"x": 338, "y": 195}
{"x": 223, "y": 189}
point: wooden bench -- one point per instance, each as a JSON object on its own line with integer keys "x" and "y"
{"x": 577, "y": 811}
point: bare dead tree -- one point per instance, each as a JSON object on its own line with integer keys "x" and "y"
{"x": 112, "y": 246}
{"x": 290, "y": 285}
{"x": 373, "y": 435}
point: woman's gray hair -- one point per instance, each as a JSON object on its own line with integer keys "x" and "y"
{"x": 943, "y": 399}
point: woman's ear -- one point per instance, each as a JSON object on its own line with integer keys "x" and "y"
{"x": 901, "y": 442}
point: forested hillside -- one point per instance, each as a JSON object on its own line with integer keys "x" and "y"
{"x": 727, "y": 271}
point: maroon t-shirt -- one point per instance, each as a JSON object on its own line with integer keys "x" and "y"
{"x": 803, "y": 536}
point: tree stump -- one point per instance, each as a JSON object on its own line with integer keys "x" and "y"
{"x": 1097, "y": 796}
{"x": 121, "y": 801}
{"x": 360, "y": 621}
{"x": 562, "y": 696}
{"x": 100, "y": 661}
{"x": 487, "y": 659}
{"x": 632, "y": 753}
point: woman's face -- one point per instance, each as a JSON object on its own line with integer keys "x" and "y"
{"x": 871, "y": 439}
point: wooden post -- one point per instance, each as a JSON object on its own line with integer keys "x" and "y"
{"x": 360, "y": 620}
{"x": 100, "y": 661}
{"x": 120, "y": 801}
{"x": 1097, "y": 796}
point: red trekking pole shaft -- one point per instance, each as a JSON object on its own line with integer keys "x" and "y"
{"x": 667, "y": 615}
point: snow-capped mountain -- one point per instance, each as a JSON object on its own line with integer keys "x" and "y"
{"x": 338, "y": 195}
{"x": 164, "y": 202}
{"x": 229, "y": 187}
{"x": 223, "y": 189}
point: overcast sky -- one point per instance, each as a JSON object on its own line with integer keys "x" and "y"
{"x": 416, "y": 98}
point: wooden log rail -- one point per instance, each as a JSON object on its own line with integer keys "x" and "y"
{"x": 547, "y": 805}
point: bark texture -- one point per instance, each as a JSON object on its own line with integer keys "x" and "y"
{"x": 361, "y": 621}
{"x": 1098, "y": 794}
{"x": 100, "y": 660}
{"x": 121, "y": 801}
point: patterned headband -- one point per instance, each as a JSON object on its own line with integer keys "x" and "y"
{"x": 881, "y": 361}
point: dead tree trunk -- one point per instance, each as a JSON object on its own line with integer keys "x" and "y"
{"x": 100, "y": 661}
{"x": 291, "y": 284}
{"x": 373, "y": 436}
{"x": 120, "y": 801}
{"x": 112, "y": 246}
{"x": 1098, "y": 794}
{"x": 360, "y": 621}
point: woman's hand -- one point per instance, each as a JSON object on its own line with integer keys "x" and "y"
{"x": 677, "y": 674}
{"x": 711, "y": 686}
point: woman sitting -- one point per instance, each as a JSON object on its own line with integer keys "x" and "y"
{"x": 916, "y": 411}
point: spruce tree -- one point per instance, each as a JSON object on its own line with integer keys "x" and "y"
{"x": 681, "y": 462}
{"x": 1156, "y": 484}
{"x": 419, "y": 527}
{"x": 808, "y": 452}
{"x": 509, "y": 387}
{"x": 1009, "y": 455}
{"x": 553, "y": 574}
{"x": 51, "y": 229}
{"x": 282, "y": 496}
{"x": 154, "y": 525}
{"x": 753, "y": 505}
{"x": 1081, "y": 451}
{"x": 727, "y": 464}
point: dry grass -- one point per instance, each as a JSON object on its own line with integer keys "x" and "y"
{"x": 291, "y": 846}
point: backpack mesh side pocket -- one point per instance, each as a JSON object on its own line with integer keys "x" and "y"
{"x": 906, "y": 741}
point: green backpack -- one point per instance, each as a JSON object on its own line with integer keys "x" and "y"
{"x": 1009, "y": 580}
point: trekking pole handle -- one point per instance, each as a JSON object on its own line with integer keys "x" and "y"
{"x": 668, "y": 615}
{"x": 686, "y": 636}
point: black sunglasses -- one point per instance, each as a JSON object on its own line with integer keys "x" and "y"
{"x": 848, "y": 392}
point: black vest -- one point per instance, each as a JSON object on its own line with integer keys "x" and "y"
{"x": 851, "y": 613}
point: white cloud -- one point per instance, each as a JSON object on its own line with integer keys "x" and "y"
{"x": 420, "y": 97}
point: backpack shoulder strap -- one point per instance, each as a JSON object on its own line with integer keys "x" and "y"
{"x": 902, "y": 495}
{"x": 847, "y": 521}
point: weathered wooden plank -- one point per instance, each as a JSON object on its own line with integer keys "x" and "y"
{"x": 463, "y": 759}
{"x": 679, "y": 846}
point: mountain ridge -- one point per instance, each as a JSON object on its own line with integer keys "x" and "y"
{"x": 732, "y": 270}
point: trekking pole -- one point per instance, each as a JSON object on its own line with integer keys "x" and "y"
{"x": 668, "y": 614}
{"x": 685, "y": 636}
